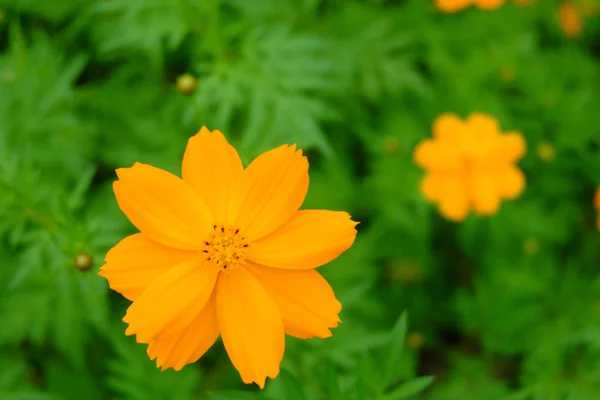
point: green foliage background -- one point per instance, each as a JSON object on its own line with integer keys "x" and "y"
{"x": 506, "y": 307}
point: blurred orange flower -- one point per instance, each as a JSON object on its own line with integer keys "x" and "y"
{"x": 225, "y": 251}
{"x": 470, "y": 165}
{"x": 453, "y": 6}
{"x": 570, "y": 19}
{"x": 572, "y": 15}
{"x": 597, "y": 204}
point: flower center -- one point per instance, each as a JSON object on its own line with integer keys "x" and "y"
{"x": 225, "y": 247}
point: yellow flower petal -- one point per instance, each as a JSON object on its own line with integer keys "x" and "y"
{"x": 454, "y": 203}
{"x": 178, "y": 349}
{"x": 136, "y": 261}
{"x": 489, "y": 4}
{"x": 511, "y": 147}
{"x": 479, "y": 139}
{"x": 452, "y": 6}
{"x": 483, "y": 124}
{"x": 432, "y": 186}
{"x": 305, "y": 300}
{"x": 447, "y": 127}
{"x": 310, "y": 239}
{"x": 212, "y": 167}
{"x": 251, "y": 326}
{"x": 511, "y": 182}
{"x": 272, "y": 189}
{"x": 436, "y": 155}
{"x": 172, "y": 302}
{"x": 484, "y": 194}
{"x": 162, "y": 206}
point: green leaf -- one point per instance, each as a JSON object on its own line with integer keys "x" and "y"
{"x": 232, "y": 395}
{"x": 409, "y": 389}
{"x": 395, "y": 351}
{"x": 287, "y": 386}
{"x": 28, "y": 395}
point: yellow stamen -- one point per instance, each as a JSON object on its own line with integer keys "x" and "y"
{"x": 225, "y": 247}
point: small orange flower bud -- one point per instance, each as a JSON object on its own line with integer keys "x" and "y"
{"x": 548, "y": 100}
{"x": 596, "y": 308}
{"x": 407, "y": 272}
{"x": 531, "y": 245}
{"x": 391, "y": 144}
{"x": 1, "y": 16}
{"x": 186, "y": 84}
{"x": 589, "y": 8}
{"x": 83, "y": 261}
{"x": 415, "y": 340}
{"x": 546, "y": 152}
{"x": 508, "y": 74}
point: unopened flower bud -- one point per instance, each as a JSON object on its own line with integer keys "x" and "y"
{"x": 186, "y": 84}
{"x": 83, "y": 261}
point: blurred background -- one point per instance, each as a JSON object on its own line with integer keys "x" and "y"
{"x": 503, "y": 307}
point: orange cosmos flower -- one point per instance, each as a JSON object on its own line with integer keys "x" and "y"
{"x": 570, "y": 19}
{"x": 225, "y": 251}
{"x": 597, "y": 204}
{"x": 470, "y": 165}
{"x": 453, "y": 6}
{"x": 489, "y": 4}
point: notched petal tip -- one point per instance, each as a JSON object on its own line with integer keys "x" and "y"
{"x": 164, "y": 366}
{"x": 212, "y": 167}
{"x": 204, "y": 131}
{"x": 129, "y": 331}
{"x": 262, "y": 381}
{"x": 304, "y": 298}
{"x": 272, "y": 189}
{"x": 244, "y": 305}
{"x": 123, "y": 172}
{"x": 310, "y": 239}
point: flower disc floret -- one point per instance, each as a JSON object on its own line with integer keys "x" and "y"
{"x": 225, "y": 247}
